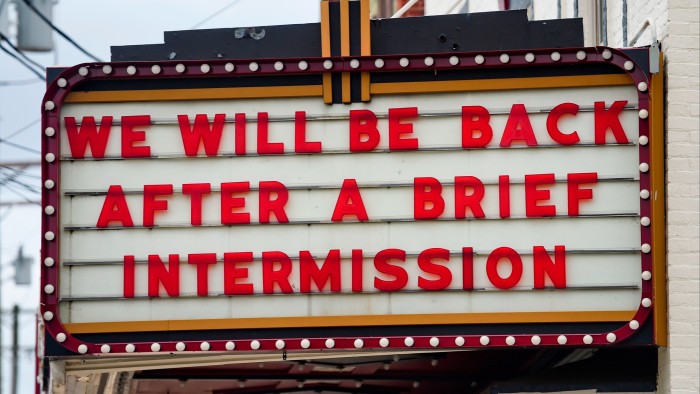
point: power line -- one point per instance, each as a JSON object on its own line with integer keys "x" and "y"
{"x": 59, "y": 31}
{"x": 25, "y": 198}
{"x": 18, "y": 82}
{"x": 19, "y": 52}
{"x": 21, "y": 164}
{"x": 28, "y": 187}
{"x": 22, "y": 62}
{"x": 18, "y": 146}
{"x": 20, "y": 172}
{"x": 207, "y": 19}
{"x": 13, "y": 178}
{"x": 23, "y": 128}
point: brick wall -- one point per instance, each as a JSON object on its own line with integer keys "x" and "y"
{"x": 444, "y": 7}
{"x": 417, "y": 9}
{"x": 680, "y": 41}
{"x": 637, "y": 12}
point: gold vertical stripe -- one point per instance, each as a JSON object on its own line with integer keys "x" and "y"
{"x": 365, "y": 96}
{"x": 344, "y": 27}
{"x": 326, "y": 50}
{"x": 658, "y": 221}
{"x": 327, "y": 88}
{"x": 346, "y": 87}
{"x": 325, "y": 29}
{"x": 366, "y": 48}
{"x": 345, "y": 46}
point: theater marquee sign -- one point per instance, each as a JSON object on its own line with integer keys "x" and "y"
{"x": 267, "y": 217}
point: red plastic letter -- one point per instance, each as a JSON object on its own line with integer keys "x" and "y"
{"x": 381, "y": 264}
{"x": 196, "y": 191}
{"x": 427, "y": 198}
{"x": 443, "y": 274}
{"x": 115, "y": 209}
{"x": 151, "y": 204}
{"x": 533, "y": 195}
{"x": 201, "y": 133}
{"x": 518, "y": 127}
{"x": 471, "y": 200}
{"x": 168, "y": 277}
{"x": 267, "y": 204}
{"x": 276, "y": 268}
{"x": 131, "y": 135}
{"x": 577, "y": 194}
{"x": 129, "y": 276}
{"x": 349, "y": 203}
{"x": 516, "y": 264}
{"x": 357, "y": 261}
{"x": 202, "y": 261}
{"x": 265, "y": 147}
{"x": 87, "y": 134}
{"x": 468, "y": 268}
{"x": 476, "y": 118}
{"x": 229, "y": 203}
{"x": 504, "y": 196}
{"x": 300, "y": 143}
{"x": 553, "y": 124}
{"x": 232, "y": 272}
{"x": 239, "y": 133}
{"x": 364, "y": 135}
{"x": 329, "y": 271}
{"x": 609, "y": 120}
{"x": 397, "y": 129}
{"x": 544, "y": 266}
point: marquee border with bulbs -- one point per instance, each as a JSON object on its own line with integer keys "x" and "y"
{"x": 72, "y": 78}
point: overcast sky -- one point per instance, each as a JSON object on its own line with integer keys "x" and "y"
{"x": 95, "y": 25}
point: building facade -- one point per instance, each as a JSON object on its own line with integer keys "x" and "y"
{"x": 674, "y": 24}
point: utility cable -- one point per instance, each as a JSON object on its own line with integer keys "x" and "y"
{"x": 25, "y": 198}
{"x": 19, "y": 59}
{"x": 19, "y": 52}
{"x": 21, "y": 129}
{"x": 27, "y": 187}
{"x": 13, "y": 178}
{"x": 18, "y": 82}
{"x": 18, "y": 146}
{"x": 23, "y": 173}
{"x": 59, "y": 31}
{"x": 5, "y": 214}
{"x": 207, "y": 19}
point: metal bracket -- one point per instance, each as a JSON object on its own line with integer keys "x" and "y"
{"x": 403, "y": 9}
{"x": 654, "y": 48}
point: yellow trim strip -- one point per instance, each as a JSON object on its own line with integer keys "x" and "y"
{"x": 113, "y": 96}
{"x": 501, "y": 84}
{"x": 658, "y": 204}
{"x": 352, "y": 321}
